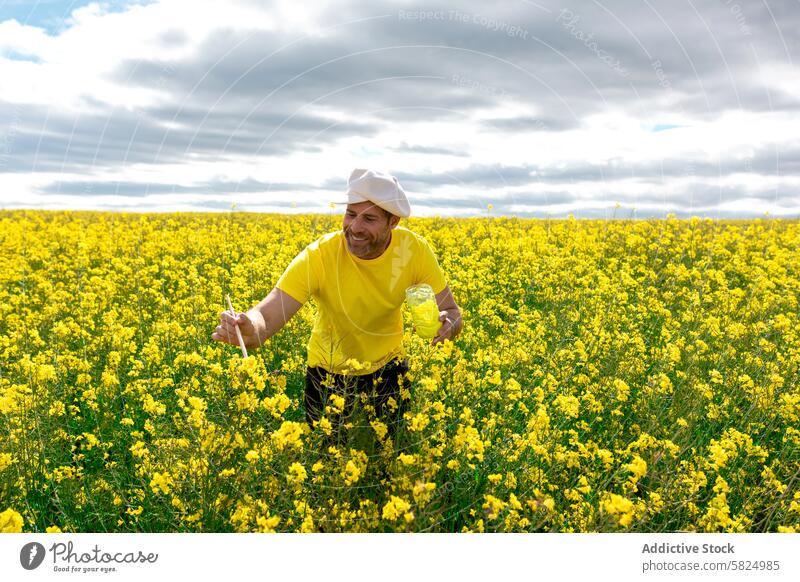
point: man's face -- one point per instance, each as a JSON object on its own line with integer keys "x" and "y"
{"x": 367, "y": 229}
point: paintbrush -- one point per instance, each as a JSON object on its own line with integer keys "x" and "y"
{"x": 238, "y": 333}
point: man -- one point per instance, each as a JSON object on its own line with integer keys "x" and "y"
{"x": 358, "y": 277}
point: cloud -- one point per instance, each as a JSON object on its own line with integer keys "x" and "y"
{"x": 532, "y": 105}
{"x": 518, "y": 124}
{"x": 422, "y": 149}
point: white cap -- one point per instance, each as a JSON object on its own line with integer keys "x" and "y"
{"x": 381, "y": 189}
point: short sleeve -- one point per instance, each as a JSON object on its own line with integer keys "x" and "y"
{"x": 300, "y": 280}
{"x": 428, "y": 269}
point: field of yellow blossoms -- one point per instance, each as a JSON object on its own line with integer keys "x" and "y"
{"x": 612, "y": 376}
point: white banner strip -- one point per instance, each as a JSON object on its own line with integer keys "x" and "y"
{"x": 355, "y": 557}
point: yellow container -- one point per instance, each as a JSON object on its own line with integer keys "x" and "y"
{"x": 424, "y": 310}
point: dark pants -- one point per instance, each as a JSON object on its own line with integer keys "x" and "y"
{"x": 376, "y": 389}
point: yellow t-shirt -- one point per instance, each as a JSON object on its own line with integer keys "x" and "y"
{"x": 359, "y": 301}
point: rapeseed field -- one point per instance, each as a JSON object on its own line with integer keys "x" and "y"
{"x": 612, "y": 376}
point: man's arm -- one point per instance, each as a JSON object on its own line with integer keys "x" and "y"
{"x": 259, "y": 323}
{"x": 450, "y": 315}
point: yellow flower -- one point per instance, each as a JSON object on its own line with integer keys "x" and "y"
{"x": 57, "y": 408}
{"x": 467, "y": 439}
{"x": 406, "y": 459}
{"x": 396, "y": 508}
{"x": 325, "y": 424}
{"x": 719, "y": 455}
{"x": 622, "y": 389}
{"x": 569, "y": 405}
{"x": 351, "y": 472}
{"x": 161, "y": 482}
{"x": 267, "y": 524}
{"x": 289, "y": 435}
{"x": 297, "y": 474}
{"x": 583, "y": 485}
{"x": 493, "y": 506}
{"x": 336, "y": 403}
{"x": 355, "y": 366}
{"x": 422, "y": 491}
{"x": 380, "y": 429}
{"x": 619, "y": 506}
{"x": 135, "y": 512}
{"x": 637, "y": 467}
{"x": 10, "y": 521}
{"x": 418, "y": 422}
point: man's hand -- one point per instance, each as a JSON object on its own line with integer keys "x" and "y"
{"x": 449, "y": 315}
{"x": 260, "y": 323}
{"x": 450, "y": 326}
{"x": 226, "y": 330}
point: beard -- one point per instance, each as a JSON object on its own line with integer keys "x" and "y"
{"x": 370, "y": 247}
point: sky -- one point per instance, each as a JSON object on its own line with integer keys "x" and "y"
{"x": 513, "y": 108}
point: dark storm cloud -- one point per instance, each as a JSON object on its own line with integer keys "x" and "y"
{"x": 579, "y": 55}
{"x": 567, "y": 61}
{"x": 48, "y": 140}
